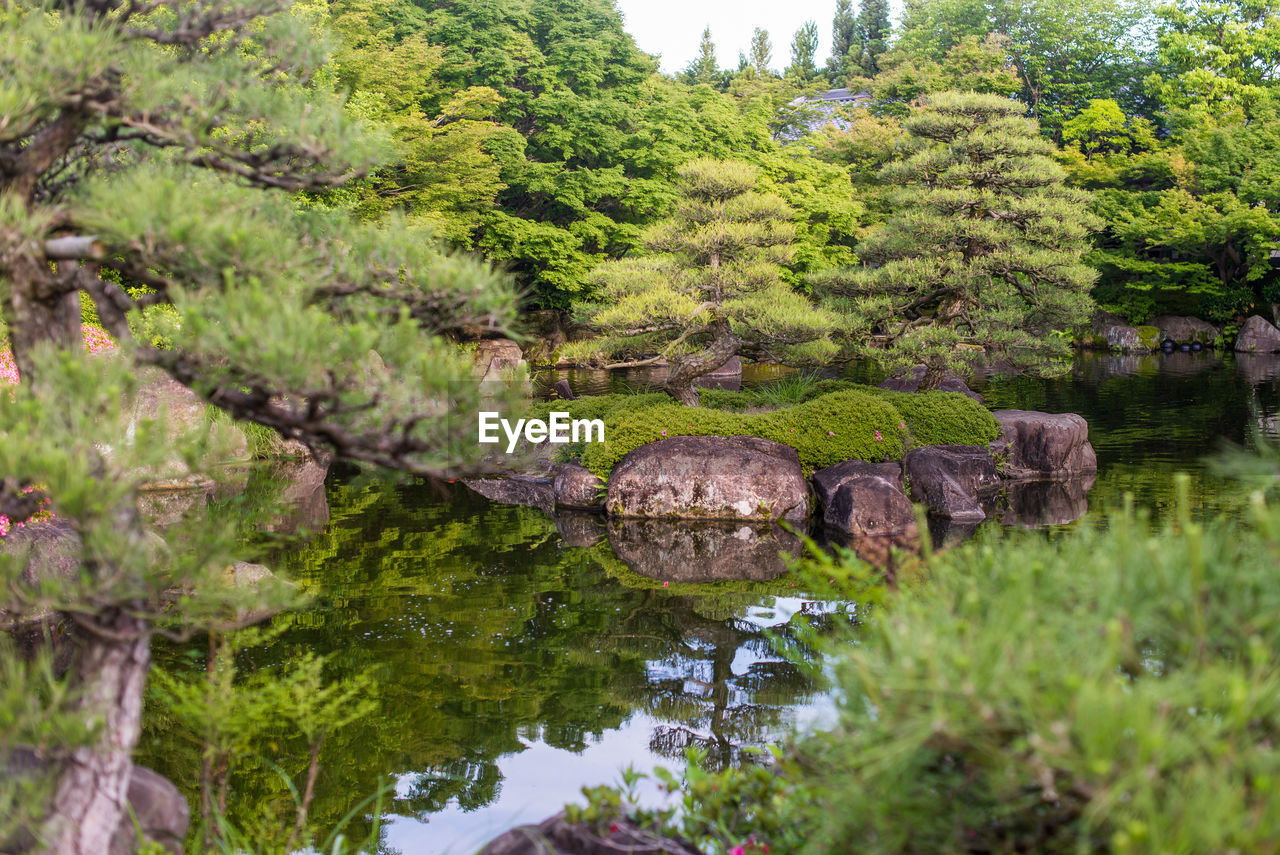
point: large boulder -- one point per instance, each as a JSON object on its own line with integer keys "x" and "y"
{"x": 185, "y": 414}
{"x": 871, "y": 505}
{"x": 710, "y": 477}
{"x": 1258, "y": 336}
{"x": 577, "y": 487}
{"x": 558, "y": 836}
{"x": 909, "y": 381}
{"x": 1184, "y": 330}
{"x": 1043, "y": 445}
{"x": 952, "y": 479}
{"x": 1110, "y": 332}
{"x": 714, "y": 551}
{"x": 52, "y": 549}
{"x": 827, "y": 481}
{"x": 731, "y": 368}
{"x": 159, "y": 814}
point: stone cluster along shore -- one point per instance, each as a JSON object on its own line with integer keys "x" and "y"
{"x": 754, "y": 480}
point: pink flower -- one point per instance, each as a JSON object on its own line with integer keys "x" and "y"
{"x": 664, "y": 433}
{"x": 665, "y": 584}
{"x": 831, "y": 433}
{"x": 902, "y": 425}
{"x": 737, "y": 850}
{"x": 879, "y": 438}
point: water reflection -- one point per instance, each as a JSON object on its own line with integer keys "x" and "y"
{"x": 519, "y": 656}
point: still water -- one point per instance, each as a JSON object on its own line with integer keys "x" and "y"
{"x": 517, "y": 658}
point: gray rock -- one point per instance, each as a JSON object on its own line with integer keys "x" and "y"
{"x": 564, "y": 391}
{"x": 576, "y": 486}
{"x": 950, "y": 479}
{"x": 827, "y": 481}
{"x": 1258, "y": 336}
{"x": 731, "y": 368}
{"x": 1184, "y": 330}
{"x": 710, "y": 477}
{"x": 1040, "y": 445}
{"x": 52, "y": 549}
{"x": 909, "y": 381}
{"x": 557, "y": 836}
{"x": 185, "y": 414}
{"x": 516, "y": 490}
{"x": 158, "y": 811}
{"x": 871, "y": 506}
{"x": 717, "y": 551}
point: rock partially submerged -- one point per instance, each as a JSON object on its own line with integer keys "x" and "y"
{"x": 558, "y": 836}
{"x": 871, "y": 506}
{"x": 1043, "y": 445}
{"x": 532, "y": 491}
{"x": 1185, "y": 330}
{"x": 827, "y": 481}
{"x": 1258, "y": 336}
{"x": 578, "y": 488}
{"x": 710, "y": 477}
{"x": 1111, "y": 332}
{"x": 909, "y": 381}
{"x": 950, "y": 479}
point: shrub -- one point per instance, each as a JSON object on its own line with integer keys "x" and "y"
{"x": 943, "y": 418}
{"x": 849, "y": 425}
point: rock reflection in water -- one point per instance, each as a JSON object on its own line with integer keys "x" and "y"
{"x": 684, "y": 551}
{"x": 580, "y": 529}
{"x": 1035, "y": 504}
{"x": 1258, "y": 368}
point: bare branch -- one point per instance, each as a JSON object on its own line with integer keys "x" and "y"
{"x": 74, "y": 248}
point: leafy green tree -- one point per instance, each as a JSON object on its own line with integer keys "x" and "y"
{"x": 804, "y": 50}
{"x": 971, "y": 65}
{"x": 163, "y": 146}
{"x": 984, "y": 249}
{"x": 844, "y": 41}
{"x": 1065, "y": 53}
{"x": 873, "y": 34}
{"x": 704, "y": 68}
{"x": 761, "y": 51}
{"x": 713, "y": 289}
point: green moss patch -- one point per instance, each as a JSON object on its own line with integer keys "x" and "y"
{"x": 848, "y": 425}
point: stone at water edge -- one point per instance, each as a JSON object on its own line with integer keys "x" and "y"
{"x": 516, "y": 490}
{"x": 871, "y": 506}
{"x": 951, "y": 479}
{"x": 563, "y": 391}
{"x": 1037, "y": 445}
{"x": 710, "y": 477}
{"x": 558, "y": 836}
{"x": 1258, "y": 336}
{"x": 827, "y": 481}
{"x": 1185, "y": 330}
{"x": 577, "y": 487}
{"x": 731, "y": 368}
{"x": 909, "y": 381}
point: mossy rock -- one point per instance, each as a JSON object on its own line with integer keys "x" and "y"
{"x": 1149, "y": 337}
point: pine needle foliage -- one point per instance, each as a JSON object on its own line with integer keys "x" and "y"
{"x": 712, "y": 287}
{"x": 984, "y": 250}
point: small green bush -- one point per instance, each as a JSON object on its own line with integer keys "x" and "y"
{"x": 943, "y": 418}
{"x": 849, "y": 425}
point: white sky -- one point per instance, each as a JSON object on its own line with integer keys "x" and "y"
{"x": 673, "y": 28}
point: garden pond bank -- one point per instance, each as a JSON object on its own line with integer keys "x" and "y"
{"x": 513, "y": 668}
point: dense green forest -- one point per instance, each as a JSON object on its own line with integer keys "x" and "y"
{"x": 537, "y": 133}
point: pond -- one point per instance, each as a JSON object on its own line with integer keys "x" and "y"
{"x": 517, "y": 658}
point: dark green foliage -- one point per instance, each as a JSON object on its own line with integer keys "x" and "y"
{"x": 984, "y": 249}
{"x": 826, "y": 430}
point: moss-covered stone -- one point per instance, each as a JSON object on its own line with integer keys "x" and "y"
{"x": 1149, "y": 337}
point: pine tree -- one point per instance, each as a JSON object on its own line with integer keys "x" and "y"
{"x": 804, "y": 50}
{"x": 844, "y": 39}
{"x": 761, "y": 51}
{"x": 984, "y": 251}
{"x": 713, "y": 289}
{"x": 704, "y": 68}
{"x": 873, "y": 34}
{"x": 174, "y": 163}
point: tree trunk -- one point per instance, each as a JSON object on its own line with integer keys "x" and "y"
{"x": 934, "y": 374}
{"x": 89, "y": 797}
{"x": 724, "y": 346}
{"x": 44, "y": 307}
